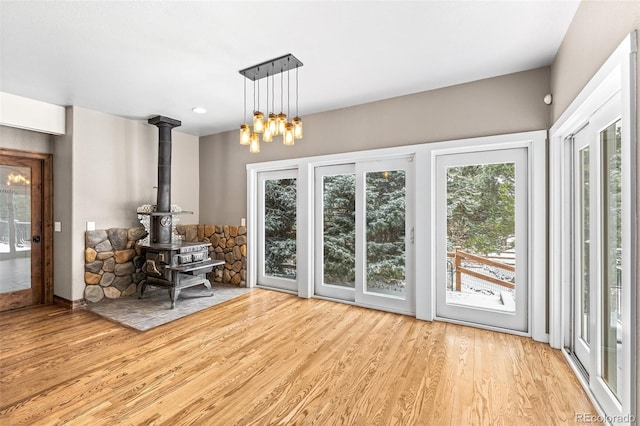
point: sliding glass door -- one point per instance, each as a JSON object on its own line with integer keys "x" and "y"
{"x": 277, "y": 251}
{"x": 599, "y": 261}
{"x": 363, "y": 234}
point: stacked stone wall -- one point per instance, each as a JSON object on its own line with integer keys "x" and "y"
{"x": 228, "y": 243}
{"x": 114, "y": 262}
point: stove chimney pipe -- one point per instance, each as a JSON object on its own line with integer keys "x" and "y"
{"x": 160, "y": 225}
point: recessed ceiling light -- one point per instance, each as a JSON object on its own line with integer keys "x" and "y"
{"x": 199, "y": 110}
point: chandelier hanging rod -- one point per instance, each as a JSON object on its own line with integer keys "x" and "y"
{"x": 271, "y": 67}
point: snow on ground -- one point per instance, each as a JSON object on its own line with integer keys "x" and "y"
{"x": 4, "y": 248}
{"x": 481, "y": 301}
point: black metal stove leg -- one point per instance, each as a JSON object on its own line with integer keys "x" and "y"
{"x": 207, "y": 284}
{"x": 142, "y": 288}
{"x": 172, "y": 296}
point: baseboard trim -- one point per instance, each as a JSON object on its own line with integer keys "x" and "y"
{"x": 69, "y": 304}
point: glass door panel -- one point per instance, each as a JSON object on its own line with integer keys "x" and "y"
{"x": 582, "y": 228}
{"x": 481, "y": 226}
{"x": 611, "y": 290}
{"x": 384, "y": 240}
{"x": 277, "y": 230}
{"x": 385, "y": 232}
{"x": 15, "y": 228}
{"x": 336, "y": 231}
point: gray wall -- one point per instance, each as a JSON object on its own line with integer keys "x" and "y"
{"x": 63, "y": 255}
{"x": 25, "y": 140}
{"x": 104, "y": 168}
{"x": 596, "y": 30}
{"x": 506, "y": 104}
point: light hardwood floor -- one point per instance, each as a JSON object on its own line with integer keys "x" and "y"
{"x": 272, "y": 358}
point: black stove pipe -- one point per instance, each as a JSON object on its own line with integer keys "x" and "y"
{"x": 161, "y": 225}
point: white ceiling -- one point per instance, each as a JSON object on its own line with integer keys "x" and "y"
{"x": 141, "y": 58}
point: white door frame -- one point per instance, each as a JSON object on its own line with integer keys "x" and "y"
{"x": 517, "y": 321}
{"x": 618, "y": 74}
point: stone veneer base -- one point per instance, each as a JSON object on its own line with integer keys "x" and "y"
{"x": 228, "y": 243}
{"x": 114, "y": 262}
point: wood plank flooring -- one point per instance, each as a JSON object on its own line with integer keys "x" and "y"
{"x": 272, "y": 358}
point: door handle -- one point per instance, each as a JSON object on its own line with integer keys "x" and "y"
{"x": 36, "y": 238}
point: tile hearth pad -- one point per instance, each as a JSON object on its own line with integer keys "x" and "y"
{"x": 155, "y": 308}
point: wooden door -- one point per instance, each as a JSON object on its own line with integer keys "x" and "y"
{"x": 22, "y": 231}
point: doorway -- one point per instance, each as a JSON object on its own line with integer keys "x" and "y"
{"x": 26, "y": 275}
{"x": 481, "y": 238}
{"x": 364, "y": 234}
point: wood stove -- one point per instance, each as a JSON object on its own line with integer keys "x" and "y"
{"x": 169, "y": 262}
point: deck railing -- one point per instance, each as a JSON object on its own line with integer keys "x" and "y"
{"x": 458, "y": 260}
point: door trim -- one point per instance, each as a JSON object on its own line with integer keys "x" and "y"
{"x": 47, "y": 218}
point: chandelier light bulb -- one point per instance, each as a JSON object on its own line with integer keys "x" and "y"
{"x": 267, "y": 136}
{"x": 254, "y": 147}
{"x": 297, "y": 127}
{"x": 288, "y": 138}
{"x": 258, "y": 122}
{"x": 272, "y": 123}
{"x": 245, "y": 134}
{"x": 282, "y": 121}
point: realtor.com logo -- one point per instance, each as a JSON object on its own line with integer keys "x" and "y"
{"x": 592, "y": 418}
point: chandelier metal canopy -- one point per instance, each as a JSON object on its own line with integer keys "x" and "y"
{"x": 271, "y": 124}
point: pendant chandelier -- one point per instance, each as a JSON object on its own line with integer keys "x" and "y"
{"x": 270, "y": 125}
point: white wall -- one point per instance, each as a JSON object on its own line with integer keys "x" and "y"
{"x": 105, "y": 167}
{"x": 507, "y": 104}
